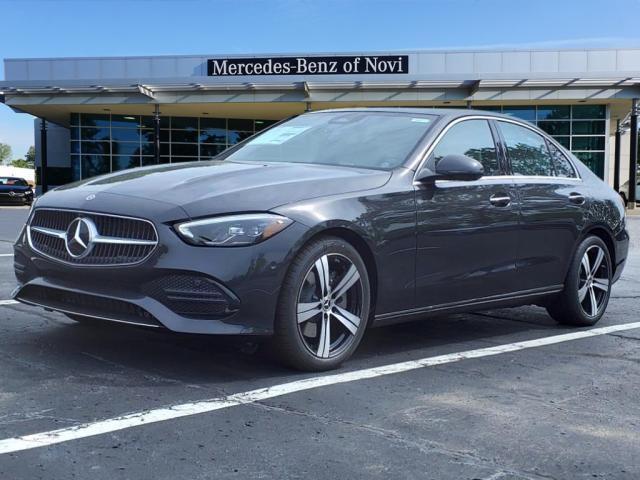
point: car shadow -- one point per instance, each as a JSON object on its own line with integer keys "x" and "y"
{"x": 146, "y": 355}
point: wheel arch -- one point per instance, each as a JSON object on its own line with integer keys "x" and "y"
{"x": 604, "y": 234}
{"x": 358, "y": 241}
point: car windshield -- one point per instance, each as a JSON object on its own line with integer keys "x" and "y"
{"x": 13, "y": 181}
{"x": 379, "y": 140}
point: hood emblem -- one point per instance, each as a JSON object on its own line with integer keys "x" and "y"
{"x": 12, "y": 193}
{"x": 78, "y": 239}
{"x": 90, "y": 197}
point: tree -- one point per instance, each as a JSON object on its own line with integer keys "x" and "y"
{"x": 31, "y": 156}
{"x": 5, "y": 153}
{"x": 21, "y": 163}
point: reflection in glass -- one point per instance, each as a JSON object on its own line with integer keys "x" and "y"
{"x": 588, "y": 127}
{"x": 93, "y": 165}
{"x": 527, "y": 150}
{"x": 126, "y": 148}
{"x": 588, "y": 143}
{"x": 125, "y": 135}
{"x": 554, "y": 112}
{"x": 555, "y": 128}
{"x": 588, "y": 111}
{"x": 94, "y": 133}
{"x": 124, "y": 162}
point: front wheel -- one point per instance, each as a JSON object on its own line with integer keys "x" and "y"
{"x": 323, "y": 307}
{"x": 588, "y": 285}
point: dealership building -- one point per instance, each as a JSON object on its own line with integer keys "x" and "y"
{"x": 98, "y": 115}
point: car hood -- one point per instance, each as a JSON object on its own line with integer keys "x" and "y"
{"x": 215, "y": 187}
{"x": 14, "y": 188}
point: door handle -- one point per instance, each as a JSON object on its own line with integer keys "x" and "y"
{"x": 500, "y": 200}
{"x": 577, "y": 198}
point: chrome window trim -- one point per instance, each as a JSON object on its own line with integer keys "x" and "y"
{"x": 60, "y": 234}
{"x": 425, "y": 152}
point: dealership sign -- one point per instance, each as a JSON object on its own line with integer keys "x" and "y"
{"x": 342, "y": 65}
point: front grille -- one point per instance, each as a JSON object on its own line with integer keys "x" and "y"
{"x": 119, "y": 241}
{"x": 86, "y": 304}
{"x": 192, "y": 295}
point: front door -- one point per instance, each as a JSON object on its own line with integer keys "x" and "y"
{"x": 467, "y": 231}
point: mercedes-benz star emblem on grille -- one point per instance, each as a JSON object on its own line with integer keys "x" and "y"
{"x": 79, "y": 237}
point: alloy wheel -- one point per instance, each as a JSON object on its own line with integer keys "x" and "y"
{"x": 594, "y": 281}
{"x": 329, "y": 307}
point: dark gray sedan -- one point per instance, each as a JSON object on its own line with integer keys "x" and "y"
{"x": 329, "y": 223}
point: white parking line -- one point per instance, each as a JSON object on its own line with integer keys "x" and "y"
{"x": 146, "y": 417}
{"x": 6, "y": 254}
{"x": 8, "y": 302}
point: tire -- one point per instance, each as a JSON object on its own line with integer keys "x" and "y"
{"x": 587, "y": 288}
{"x": 306, "y": 310}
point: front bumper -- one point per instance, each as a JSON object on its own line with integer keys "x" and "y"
{"x": 245, "y": 282}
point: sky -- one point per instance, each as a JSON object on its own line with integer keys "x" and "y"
{"x": 59, "y": 28}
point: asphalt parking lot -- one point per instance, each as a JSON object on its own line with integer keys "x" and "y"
{"x": 565, "y": 410}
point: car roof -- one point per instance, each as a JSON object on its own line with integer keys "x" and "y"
{"x": 440, "y": 112}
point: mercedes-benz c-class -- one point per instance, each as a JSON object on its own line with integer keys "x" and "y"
{"x": 330, "y": 223}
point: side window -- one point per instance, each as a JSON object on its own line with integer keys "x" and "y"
{"x": 527, "y": 151}
{"x": 472, "y": 138}
{"x": 562, "y": 165}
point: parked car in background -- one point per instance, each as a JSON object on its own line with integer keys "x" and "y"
{"x": 328, "y": 223}
{"x": 624, "y": 191}
{"x": 15, "y": 190}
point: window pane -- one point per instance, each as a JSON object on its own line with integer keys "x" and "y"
{"x": 213, "y": 135}
{"x": 589, "y": 111}
{"x": 165, "y": 160}
{"x": 262, "y": 124}
{"x": 124, "y": 162}
{"x": 562, "y": 165}
{"x": 94, "y": 120}
{"x": 185, "y": 136}
{"x": 125, "y": 135}
{"x": 588, "y": 143}
{"x": 164, "y": 149}
{"x": 75, "y": 147}
{"x": 148, "y": 149}
{"x": 146, "y": 161}
{"x": 149, "y": 135}
{"x": 75, "y": 167}
{"x": 93, "y": 165}
{"x": 184, "y": 123}
{"x": 209, "y": 151}
{"x": 74, "y": 133}
{"x": 95, "y": 147}
{"x": 525, "y": 113}
{"x": 74, "y": 119}
{"x": 554, "y": 112}
{"x": 586, "y": 127}
{"x": 94, "y": 133}
{"x": 564, "y": 141}
{"x": 183, "y": 159}
{"x": 492, "y": 108}
{"x": 164, "y": 136}
{"x": 472, "y": 138}
{"x": 555, "y": 128}
{"x": 127, "y": 121}
{"x": 124, "y": 148}
{"x": 527, "y": 150}
{"x": 184, "y": 150}
{"x": 593, "y": 160}
{"x": 206, "y": 123}
{"x": 236, "y": 137}
{"x": 240, "y": 124}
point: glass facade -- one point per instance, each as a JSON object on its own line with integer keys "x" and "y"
{"x": 103, "y": 143}
{"x": 579, "y": 128}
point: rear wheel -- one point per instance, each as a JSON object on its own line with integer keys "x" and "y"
{"x": 588, "y": 285}
{"x": 324, "y": 306}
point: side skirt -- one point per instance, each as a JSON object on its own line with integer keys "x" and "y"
{"x": 513, "y": 299}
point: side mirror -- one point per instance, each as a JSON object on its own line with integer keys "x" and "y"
{"x": 454, "y": 167}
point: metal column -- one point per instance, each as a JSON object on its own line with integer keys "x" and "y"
{"x": 43, "y": 156}
{"x": 633, "y": 154}
{"x": 616, "y": 158}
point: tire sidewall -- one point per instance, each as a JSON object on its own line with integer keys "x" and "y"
{"x": 573, "y": 279}
{"x": 296, "y": 353}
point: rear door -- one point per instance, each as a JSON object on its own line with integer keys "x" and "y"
{"x": 467, "y": 230}
{"x": 551, "y": 198}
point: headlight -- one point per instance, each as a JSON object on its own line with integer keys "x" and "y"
{"x": 232, "y": 231}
